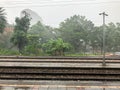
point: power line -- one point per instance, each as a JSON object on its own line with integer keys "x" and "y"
{"x": 61, "y": 3}
{"x": 46, "y": 1}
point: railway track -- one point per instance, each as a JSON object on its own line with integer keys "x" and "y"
{"x": 58, "y": 69}
{"x": 62, "y": 57}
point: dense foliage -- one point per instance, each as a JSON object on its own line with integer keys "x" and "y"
{"x": 75, "y": 35}
{"x": 33, "y": 46}
{"x": 2, "y": 20}
{"x": 19, "y": 37}
{"x": 76, "y": 31}
{"x": 56, "y": 47}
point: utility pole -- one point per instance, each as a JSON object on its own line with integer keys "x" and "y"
{"x": 104, "y": 48}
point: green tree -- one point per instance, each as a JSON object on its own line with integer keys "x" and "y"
{"x": 117, "y": 38}
{"x": 111, "y": 33}
{"x": 112, "y": 40}
{"x": 113, "y": 37}
{"x": 2, "y": 20}
{"x": 34, "y": 45}
{"x": 44, "y": 32}
{"x": 19, "y": 37}
{"x": 56, "y": 47}
{"x": 75, "y": 30}
{"x": 96, "y": 39}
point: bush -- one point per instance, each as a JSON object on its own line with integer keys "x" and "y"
{"x": 8, "y": 52}
{"x": 32, "y": 50}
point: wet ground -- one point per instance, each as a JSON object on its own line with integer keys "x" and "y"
{"x": 58, "y": 85}
{"x": 54, "y": 88}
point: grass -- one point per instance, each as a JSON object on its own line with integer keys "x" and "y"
{"x": 78, "y": 54}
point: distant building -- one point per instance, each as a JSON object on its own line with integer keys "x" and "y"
{"x": 9, "y": 28}
{"x": 32, "y": 15}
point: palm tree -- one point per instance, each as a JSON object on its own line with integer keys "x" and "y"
{"x": 2, "y": 20}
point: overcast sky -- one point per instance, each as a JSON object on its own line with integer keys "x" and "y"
{"x": 53, "y": 12}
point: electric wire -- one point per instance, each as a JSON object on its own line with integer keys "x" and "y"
{"x": 60, "y": 3}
